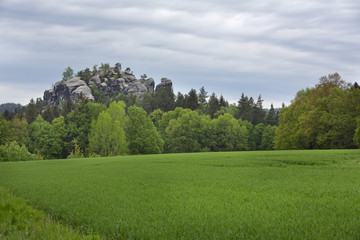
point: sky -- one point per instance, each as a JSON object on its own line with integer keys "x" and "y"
{"x": 274, "y": 48}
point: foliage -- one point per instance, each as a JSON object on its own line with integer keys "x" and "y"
{"x": 19, "y": 129}
{"x": 68, "y": 73}
{"x": 4, "y": 130}
{"x": 228, "y": 134}
{"x": 164, "y": 99}
{"x": 79, "y": 123}
{"x": 31, "y": 111}
{"x": 8, "y": 106}
{"x": 320, "y": 117}
{"x": 232, "y": 195}
{"x": 77, "y": 152}
{"x": 85, "y": 75}
{"x": 267, "y": 138}
{"x": 107, "y": 136}
{"x": 141, "y": 134}
{"x": 357, "y": 133}
{"x": 44, "y": 140}
{"x": 183, "y": 134}
{"x": 13, "y": 152}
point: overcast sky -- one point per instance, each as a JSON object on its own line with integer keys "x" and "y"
{"x": 273, "y": 48}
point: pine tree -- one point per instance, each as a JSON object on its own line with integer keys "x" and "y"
{"x": 31, "y": 112}
{"x": 214, "y": 105}
{"x": 271, "y": 117}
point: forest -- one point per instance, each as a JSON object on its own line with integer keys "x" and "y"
{"x": 326, "y": 116}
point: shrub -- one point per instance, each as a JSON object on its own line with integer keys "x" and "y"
{"x": 12, "y": 152}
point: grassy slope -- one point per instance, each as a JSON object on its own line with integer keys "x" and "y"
{"x": 18, "y": 220}
{"x": 250, "y": 195}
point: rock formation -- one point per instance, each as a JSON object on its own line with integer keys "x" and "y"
{"x": 109, "y": 82}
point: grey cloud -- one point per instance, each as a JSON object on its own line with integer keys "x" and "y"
{"x": 271, "y": 44}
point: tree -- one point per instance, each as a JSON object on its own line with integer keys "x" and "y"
{"x": 223, "y": 102}
{"x": 107, "y": 136}
{"x": 8, "y": 115}
{"x": 213, "y": 105}
{"x": 4, "y": 130}
{"x": 183, "y": 134}
{"x": 79, "y": 123}
{"x": 256, "y": 137}
{"x": 321, "y": 117}
{"x": 48, "y": 114}
{"x": 68, "y": 73}
{"x": 31, "y": 112}
{"x": 13, "y": 152}
{"x": 156, "y": 116}
{"x": 258, "y": 112}
{"x": 229, "y": 135}
{"x": 180, "y": 100}
{"x": 191, "y": 100}
{"x": 141, "y": 134}
{"x": 357, "y": 133}
{"x": 62, "y": 130}
{"x": 202, "y": 97}
{"x": 19, "y": 129}
{"x": 147, "y": 103}
{"x": 267, "y": 138}
{"x": 271, "y": 117}
{"x": 44, "y": 140}
{"x": 164, "y": 99}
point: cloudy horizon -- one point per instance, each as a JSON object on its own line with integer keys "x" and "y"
{"x": 273, "y": 48}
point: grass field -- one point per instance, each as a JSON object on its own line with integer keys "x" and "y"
{"x": 235, "y": 195}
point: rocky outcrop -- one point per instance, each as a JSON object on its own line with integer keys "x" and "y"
{"x": 109, "y": 83}
{"x": 165, "y": 83}
{"x": 71, "y": 89}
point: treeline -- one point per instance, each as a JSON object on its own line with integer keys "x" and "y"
{"x": 324, "y": 117}
{"x": 160, "y": 122}
{"x": 327, "y": 116}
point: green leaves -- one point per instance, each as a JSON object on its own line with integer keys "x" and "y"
{"x": 107, "y": 136}
{"x": 141, "y": 134}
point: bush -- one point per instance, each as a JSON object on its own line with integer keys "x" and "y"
{"x": 12, "y": 152}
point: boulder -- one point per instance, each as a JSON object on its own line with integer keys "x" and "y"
{"x": 138, "y": 89}
{"x": 95, "y": 80}
{"x": 150, "y": 84}
{"x": 165, "y": 83}
{"x": 63, "y": 91}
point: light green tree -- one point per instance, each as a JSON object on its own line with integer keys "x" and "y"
{"x": 229, "y": 135}
{"x": 4, "y": 130}
{"x": 68, "y": 73}
{"x": 141, "y": 134}
{"x": 19, "y": 129}
{"x": 357, "y": 133}
{"x": 107, "y": 136}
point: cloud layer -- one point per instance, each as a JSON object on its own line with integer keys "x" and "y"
{"x": 273, "y": 48}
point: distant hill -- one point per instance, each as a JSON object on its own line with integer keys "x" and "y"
{"x": 8, "y": 106}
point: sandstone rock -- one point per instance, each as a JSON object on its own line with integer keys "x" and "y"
{"x": 106, "y": 83}
{"x": 150, "y": 84}
{"x": 95, "y": 80}
{"x": 138, "y": 89}
{"x": 71, "y": 89}
{"x": 165, "y": 83}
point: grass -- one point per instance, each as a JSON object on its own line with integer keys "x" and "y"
{"x": 235, "y": 195}
{"x": 18, "y": 220}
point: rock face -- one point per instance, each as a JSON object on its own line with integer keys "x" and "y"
{"x": 109, "y": 83}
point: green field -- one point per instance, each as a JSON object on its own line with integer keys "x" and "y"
{"x": 235, "y": 195}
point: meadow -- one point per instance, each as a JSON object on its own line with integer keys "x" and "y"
{"x": 234, "y": 195}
